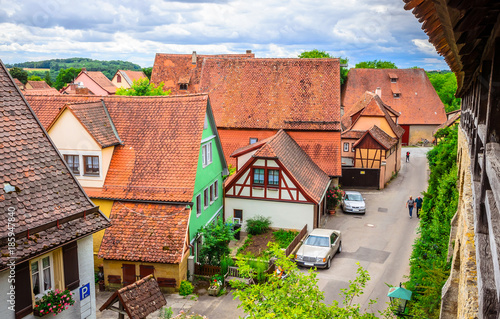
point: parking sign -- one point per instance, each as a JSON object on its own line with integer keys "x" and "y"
{"x": 84, "y": 291}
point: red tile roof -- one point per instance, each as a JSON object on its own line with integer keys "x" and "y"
{"x": 156, "y": 233}
{"x": 385, "y": 140}
{"x": 131, "y": 76}
{"x": 19, "y": 84}
{"x": 38, "y": 85}
{"x": 99, "y": 78}
{"x": 173, "y": 69}
{"x": 46, "y": 195}
{"x": 49, "y": 91}
{"x": 418, "y": 101}
{"x": 139, "y": 299}
{"x": 453, "y": 117}
{"x": 299, "y": 94}
{"x": 303, "y": 169}
{"x": 353, "y": 134}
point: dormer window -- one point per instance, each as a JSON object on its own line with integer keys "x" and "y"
{"x": 183, "y": 86}
{"x": 73, "y": 162}
{"x": 253, "y": 140}
{"x": 394, "y": 80}
{"x": 91, "y": 165}
{"x": 396, "y": 95}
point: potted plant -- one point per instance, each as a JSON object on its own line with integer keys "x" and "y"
{"x": 215, "y": 285}
{"x": 333, "y": 198}
{"x": 54, "y": 302}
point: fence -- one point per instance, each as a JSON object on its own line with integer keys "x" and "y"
{"x": 206, "y": 270}
{"x": 296, "y": 241}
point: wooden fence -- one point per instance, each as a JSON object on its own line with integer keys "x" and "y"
{"x": 206, "y": 270}
{"x": 296, "y": 241}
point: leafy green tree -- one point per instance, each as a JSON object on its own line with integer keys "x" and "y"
{"x": 148, "y": 72}
{"x": 34, "y": 78}
{"x": 66, "y": 76}
{"x": 142, "y": 87}
{"x": 376, "y": 64}
{"x": 445, "y": 85}
{"x": 297, "y": 294}
{"x": 20, "y": 74}
{"x": 215, "y": 247}
{"x": 316, "y": 54}
{"x": 47, "y": 78}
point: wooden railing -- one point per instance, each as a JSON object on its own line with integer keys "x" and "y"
{"x": 206, "y": 270}
{"x": 296, "y": 241}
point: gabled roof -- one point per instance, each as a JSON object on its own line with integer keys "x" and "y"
{"x": 302, "y": 168}
{"x": 100, "y": 79}
{"x": 19, "y": 83}
{"x": 38, "y": 85}
{"x": 51, "y": 208}
{"x": 353, "y": 134}
{"x": 146, "y": 232}
{"x": 96, "y": 120}
{"x": 174, "y": 69}
{"x": 385, "y": 140}
{"x": 139, "y": 299}
{"x": 299, "y": 94}
{"x": 131, "y": 76}
{"x": 418, "y": 101}
{"x": 371, "y": 104}
{"x": 455, "y": 116}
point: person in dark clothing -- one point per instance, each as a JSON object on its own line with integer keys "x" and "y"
{"x": 418, "y": 203}
{"x": 407, "y": 156}
{"x": 410, "y": 204}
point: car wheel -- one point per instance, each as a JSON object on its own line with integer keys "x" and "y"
{"x": 339, "y": 250}
{"x": 329, "y": 263}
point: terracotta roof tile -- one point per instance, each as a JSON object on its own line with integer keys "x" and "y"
{"x": 455, "y": 116}
{"x": 49, "y": 91}
{"x": 173, "y": 69}
{"x": 297, "y": 162}
{"x": 418, "y": 101}
{"x": 40, "y": 85}
{"x": 140, "y": 299}
{"x": 301, "y": 94}
{"x": 102, "y": 81}
{"x": 45, "y": 190}
{"x": 131, "y": 76}
{"x": 353, "y": 134}
{"x": 146, "y": 232}
{"x": 382, "y": 137}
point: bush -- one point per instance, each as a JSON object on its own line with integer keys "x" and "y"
{"x": 225, "y": 263}
{"x": 284, "y": 237}
{"x": 258, "y": 225}
{"x": 333, "y": 197}
{"x": 186, "y": 288}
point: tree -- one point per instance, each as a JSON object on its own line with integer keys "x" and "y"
{"x": 376, "y": 64}
{"x": 142, "y": 87}
{"x": 216, "y": 238}
{"x": 445, "y": 85}
{"x": 148, "y": 72}
{"x": 47, "y": 78}
{"x": 297, "y": 294}
{"x": 316, "y": 54}
{"x": 20, "y": 74}
{"x": 34, "y": 78}
{"x": 66, "y": 76}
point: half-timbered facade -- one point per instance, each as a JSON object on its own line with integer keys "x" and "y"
{"x": 276, "y": 179}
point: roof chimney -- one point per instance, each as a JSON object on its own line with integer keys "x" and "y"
{"x": 249, "y": 51}
{"x": 194, "y": 59}
{"x": 84, "y": 70}
{"x": 378, "y": 92}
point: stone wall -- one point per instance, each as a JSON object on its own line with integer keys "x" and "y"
{"x": 460, "y": 293}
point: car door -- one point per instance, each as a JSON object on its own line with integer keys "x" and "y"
{"x": 334, "y": 244}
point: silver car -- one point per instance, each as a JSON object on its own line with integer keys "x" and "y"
{"x": 353, "y": 202}
{"x": 319, "y": 248}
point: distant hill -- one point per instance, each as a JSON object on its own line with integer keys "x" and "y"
{"x": 109, "y": 68}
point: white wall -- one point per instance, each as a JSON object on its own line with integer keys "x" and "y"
{"x": 283, "y": 214}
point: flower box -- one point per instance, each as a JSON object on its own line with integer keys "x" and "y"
{"x": 214, "y": 290}
{"x": 54, "y": 302}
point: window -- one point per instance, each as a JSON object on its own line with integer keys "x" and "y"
{"x": 42, "y": 275}
{"x": 394, "y": 80}
{"x": 118, "y": 78}
{"x": 273, "y": 177}
{"x": 216, "y": 189}
{"x": 352, "y": 147}
{"x": 253, "y": 140}
{"x": 91, "y": 165}
{"x": 205, "y": 198}
{"x": 73, "y": 163}
{"x": 183, "y": 86}
{"x": 258, "y": 176}
{"x": 198, "y": 205}
{"x": 346, "y": 147}
{"x": 396, "y": 95}
{"x": 206, "y": 153}
{"x": 205, "y": 124}
{"x": 212, "y": 198}
{"x": 238, "y": 216}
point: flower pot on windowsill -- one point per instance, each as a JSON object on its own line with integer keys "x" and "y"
{"x": 214, "y": 290}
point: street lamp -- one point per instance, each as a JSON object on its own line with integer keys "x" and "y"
{"x": 399, "y": 297}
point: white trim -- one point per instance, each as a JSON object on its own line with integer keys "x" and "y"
{"x": 198, "y": 206}
{"x": 215, "y": 215}
{"x": 38, "y": 260}
{"x": 81, "y": 154}
{"x": 205, "y": 204}
{"x": 207, "y": 139}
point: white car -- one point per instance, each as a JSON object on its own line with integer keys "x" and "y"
{"x": 353, "y": 202}
{"x": 319, "y": 248}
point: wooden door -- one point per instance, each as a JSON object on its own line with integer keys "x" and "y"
{"x": 128, "y": 274}
{"x": 406, "y": 136}
{"x": 146, "y": 270}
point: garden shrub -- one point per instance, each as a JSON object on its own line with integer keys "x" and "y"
{"x": 225, "y": 263}
{"x": 258, "y": 225}
{"x": 186, "y": 288}
{"x": 284, "y": 237}
{"x": 333, "y": 197}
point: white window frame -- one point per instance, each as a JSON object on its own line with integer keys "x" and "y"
{"x": 81, "y": 154}
{"x": 40, "y": 274}
{"x": 253, "y": 140}
{"x": 198, "y": 205}
{"x": 206, "y": 153}
{"x": 216, "y": 190}
{"x": 346, "y": 147}
{"x": 206, "y": 198}
{"x": 205, "y": 124}
{"x": 212, "y": 197}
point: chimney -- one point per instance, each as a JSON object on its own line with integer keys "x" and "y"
{"x": 378, "y": 92}
{"x": 84, "y": 70}
{"x": 194, "y": 59}
{"x": 249, "y": 51}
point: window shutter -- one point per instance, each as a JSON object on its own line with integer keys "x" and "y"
{"x": 70, "y": 260}
{"x": 24, "y": 304}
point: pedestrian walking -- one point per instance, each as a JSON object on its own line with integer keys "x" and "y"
{"x": 410, "y": 204}
{"x": 407, "y": 157}
{"x": 418, "y": 206}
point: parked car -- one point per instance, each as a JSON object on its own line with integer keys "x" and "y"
{"x": 319, "y": 248}
{"x": 353, "y": 202}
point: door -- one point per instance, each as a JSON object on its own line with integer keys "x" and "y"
{"x": 406, "y": 136}
{"x": 145, "y": 271}
{"x": 128, "y": 274}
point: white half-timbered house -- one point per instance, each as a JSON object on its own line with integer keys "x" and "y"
{"x": 275, "y": 178}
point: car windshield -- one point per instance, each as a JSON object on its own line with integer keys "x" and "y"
{"x": 317, "y": 241}
{"x": 354, "y": 197}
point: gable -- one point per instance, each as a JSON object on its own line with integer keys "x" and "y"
{"x": 69, "y": 134}
{"x": 368, "y": 142}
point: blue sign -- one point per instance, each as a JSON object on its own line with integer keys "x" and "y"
{"x": 84, "y": 291}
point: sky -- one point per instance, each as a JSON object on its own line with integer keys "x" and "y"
{"x": 130, "y": 30}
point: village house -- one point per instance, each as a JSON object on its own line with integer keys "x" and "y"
{"x": 371, "y": 143}
{"x": 408, "y": 91}
{"x": 275, "y": 178}
{"x": 48, "y": 219}
{"x": 180, "y": 73}
{"x": 125, "y": 78}
{"x": 94, "y": 81}
{"x": 159, "y": 182}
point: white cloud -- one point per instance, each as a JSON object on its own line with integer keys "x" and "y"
{"x": 423, "y": 45}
